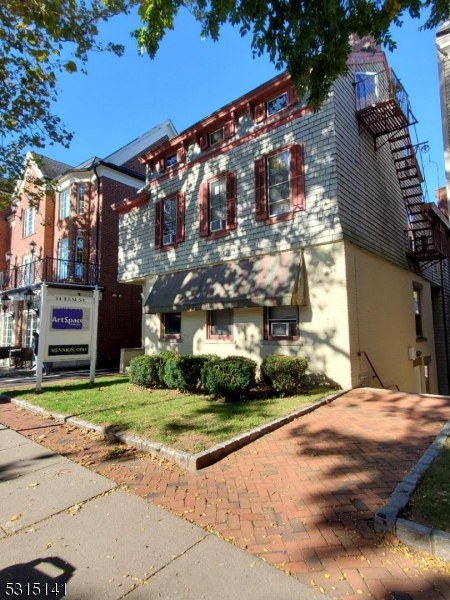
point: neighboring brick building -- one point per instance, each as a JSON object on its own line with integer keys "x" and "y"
{"x": 268, "y": 228}
{"x": 70, "y": 241}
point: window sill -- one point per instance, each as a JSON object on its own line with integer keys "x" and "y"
{"x": 282, "y": 341}
{"x": 279, "y": 218}
{"x": 169, "y": 247}
{"x": 171, "y": 339}
{"x": 218, "y": 340}
{"x": 421, "y": 339}
{"x": 216, "y": 236}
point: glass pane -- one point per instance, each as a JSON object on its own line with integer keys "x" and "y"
{"x": 279, "y": 208}
{"x": 221, "y": 322}
{"x": 277, "y": 104}
{"x": 366, "y": 88}
{"x": 171, "y": 160}
{"x": 278, "y": 168}
{"x": 216, "y": 136}
{"x": 172, "y": 323}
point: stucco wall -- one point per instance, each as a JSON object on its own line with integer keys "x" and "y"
{"x": 324, "y": 335}
{"x": 382, "y": 322}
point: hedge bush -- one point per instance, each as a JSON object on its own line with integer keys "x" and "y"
{"x": 184, "y": 372}
{"x": 144, "y": 371}
{"x": 230, "y": 377}
{"x": 284, "y": 373}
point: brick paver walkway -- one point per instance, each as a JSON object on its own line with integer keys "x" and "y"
{"x": 302, "y": 498}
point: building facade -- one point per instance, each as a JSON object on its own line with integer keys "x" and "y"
{"x": 268, "y": 228}
{"x": 67, "y": 237}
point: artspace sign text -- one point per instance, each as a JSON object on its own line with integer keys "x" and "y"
{"x": 67, "y": 318}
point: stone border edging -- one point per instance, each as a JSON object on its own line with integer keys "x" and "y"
{"x": 189, "y": 462}
{"x": 419, "y": 537}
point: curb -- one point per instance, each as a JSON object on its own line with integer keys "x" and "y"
{"x": 419, "y": 537}
{"x": 188, "y": 462}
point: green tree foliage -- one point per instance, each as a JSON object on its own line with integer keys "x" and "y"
{"x": 40, "y": 38}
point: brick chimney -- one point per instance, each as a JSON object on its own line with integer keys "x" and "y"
{"x": 442, "y": 201}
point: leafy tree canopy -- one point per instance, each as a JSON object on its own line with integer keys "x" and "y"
{"x": 40, "y": 38}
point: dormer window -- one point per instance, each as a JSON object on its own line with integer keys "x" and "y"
{"x": 171, "y": 160}
{"x": 216, "y": 136}
{"x": 277, "y": 104}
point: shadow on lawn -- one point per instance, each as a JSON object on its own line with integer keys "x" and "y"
{"x": 73, "y": 386}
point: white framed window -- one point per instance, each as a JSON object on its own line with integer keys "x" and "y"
{"x": 28, "y": 272}
{"x": 63, "y": 259}
{"x": 79, "y": 253}
{"x": 278, "y": 183}
{"x": 366, "y": 89}
{"x": 64, "y": 203}
{"x": 276, "y": 104}
{"x": 7, "y": 329}
{"x": 169, "y": 221}
{"x": 216, "y": 136}
{"x": 30, "y": 326}
{"x": 281, "y": 322}
{"x": 28, "y": 220}
{"x": 81, "y": 189}
{"x": 217, "y": 204}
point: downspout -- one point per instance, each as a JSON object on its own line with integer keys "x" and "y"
{"x": 97, "y": 224}
{"x": 444, "y": 315}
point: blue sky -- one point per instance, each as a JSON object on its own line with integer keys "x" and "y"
{"x": 121, "y": 98}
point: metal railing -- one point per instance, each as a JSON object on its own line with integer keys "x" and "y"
{"x": 51, "y": 270}
{"x": 370, "y": 92}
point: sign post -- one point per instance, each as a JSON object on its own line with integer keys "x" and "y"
{"x": 68, "y": 328}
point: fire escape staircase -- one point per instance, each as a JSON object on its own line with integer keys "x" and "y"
{"x": 429, "y": 230}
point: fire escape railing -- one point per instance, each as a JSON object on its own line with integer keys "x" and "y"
{"x": 50, "y": 270}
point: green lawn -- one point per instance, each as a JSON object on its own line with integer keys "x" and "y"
{"x": 184, "y": 421}
{"x": 430, "y": 504}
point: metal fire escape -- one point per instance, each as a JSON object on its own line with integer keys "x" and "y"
{"x": 389, "y": 117}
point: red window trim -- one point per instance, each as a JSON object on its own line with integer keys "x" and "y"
{"x": 260, "y": 108}
{"x": 296, "y": 180}
{"x": 210, "y": 336}
{"x": 231, "y": 206}
{"x": 202, "y": 138}
{"x": 276, "y": 338}
{"x": 159, "y": 222}
{"x": 162, "y": 330}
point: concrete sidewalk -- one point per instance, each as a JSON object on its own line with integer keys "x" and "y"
{"x": 73, "y": 533}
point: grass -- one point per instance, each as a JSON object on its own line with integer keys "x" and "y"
{"x": 187, "y": 422}
{"x": 430, "y": 504}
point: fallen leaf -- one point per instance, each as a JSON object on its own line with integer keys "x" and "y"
{"x": 327, "y": 575}
{"x": 49, "y": 544}
{"x": 252, "y": 564}
{"x": 15, "y": 517}
{"x": 33, "y": 485}
{"x": 73, "y": 510}
{"x": 322, "y": 590}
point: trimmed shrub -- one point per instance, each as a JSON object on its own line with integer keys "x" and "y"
{"x": 230, "y": 377}
{"x": 184, "y": 372}
{"x": 161, "y": 360}
{"x": 144, "y": 371}
{"x": 284, "y": 373}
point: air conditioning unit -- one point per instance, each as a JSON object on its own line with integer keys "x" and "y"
{"x": 279, "y": 329}
{"x": 169, "y": 238}
{"x": 217, "y": 224}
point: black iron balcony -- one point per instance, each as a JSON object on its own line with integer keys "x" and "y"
{"x": 49, "y": 270}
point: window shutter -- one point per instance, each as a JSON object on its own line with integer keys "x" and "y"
{"x": 231, "y": 201}
{"x": 260, "y": 189}
{"x": 180, "y": 217}
{"x": 229, "y": 129}
{"x": 181, "y": 155}
{"x": 204, "y": 217}
{"x": 260, "y": 112}
{"x": 158, "y": 225}
{"x": 266, "y": 323}
{"x": 292, "y": 96}
{"x": 297, "y": 177}
{"x": 203, "y": 141}
{"x": 161, "y": 165}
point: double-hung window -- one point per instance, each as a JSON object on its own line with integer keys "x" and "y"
{"x": 218, "y": 205}
{"x": 81, "y": 189}
{"x": 169, "y": 221}
{"x": 7, "y": 329}
{"x": 366, "y": 87}
{"x": 279, "y": 184}
{"x": 28, "y": 221}
{"x": 64, "y": 203}
{"x": 281, "y": 322}
{"x": 30, "y": 326}
{"x": 220, "y": 324}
